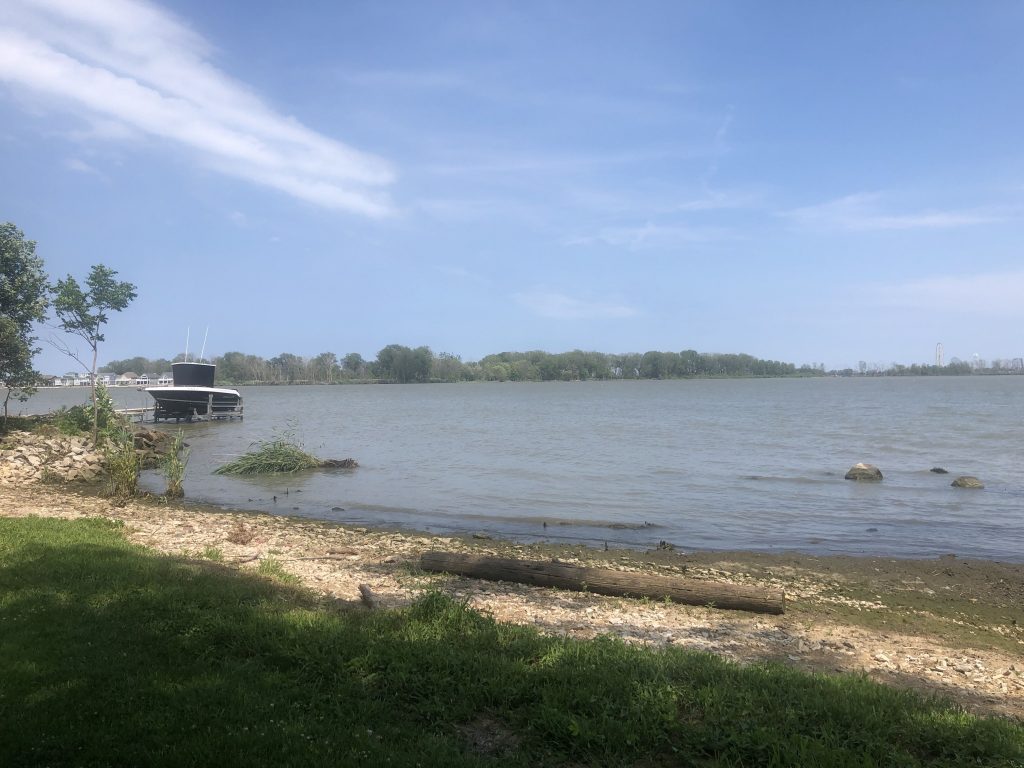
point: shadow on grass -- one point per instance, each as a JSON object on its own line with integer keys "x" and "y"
{"x": 111, "y": 655}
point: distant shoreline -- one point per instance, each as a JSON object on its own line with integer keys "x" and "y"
{"x": 724, "y": 377}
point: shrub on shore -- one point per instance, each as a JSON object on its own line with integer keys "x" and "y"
{"x": 77, "y": 419}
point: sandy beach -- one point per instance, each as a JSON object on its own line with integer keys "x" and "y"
{"x": 945, "y": 626}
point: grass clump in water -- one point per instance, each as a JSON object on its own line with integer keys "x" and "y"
{"x": 271, "y": 457}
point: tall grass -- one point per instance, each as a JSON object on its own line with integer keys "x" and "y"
{"x": 271, "y": 457}
{"x": 174, "y": 463}
{"x": 122, "y": 461}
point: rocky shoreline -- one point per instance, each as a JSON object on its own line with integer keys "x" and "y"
{"x": 28, "y": 457}
{"x": 949, "y": 627}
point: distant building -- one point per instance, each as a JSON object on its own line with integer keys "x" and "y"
{"x": 126, "y": 379}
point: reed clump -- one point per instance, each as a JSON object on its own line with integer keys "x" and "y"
{"x": 123, "y": 463}
{"x": 271, "y": 457}
{"x": 174, "y": 463}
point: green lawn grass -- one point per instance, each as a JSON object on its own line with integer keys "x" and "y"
{"x": 113, "y": 655}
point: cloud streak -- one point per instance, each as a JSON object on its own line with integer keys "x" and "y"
{"x": 556, "y": 305}
{"x": 129, "y": 63}
{"x": 864, "y": 213}
{"x": 651, "y": 236}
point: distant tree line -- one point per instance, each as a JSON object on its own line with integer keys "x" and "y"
{"x": 400, "y": 364}
{"x": 954, "y": 368}
{"x": 406, "y": 365}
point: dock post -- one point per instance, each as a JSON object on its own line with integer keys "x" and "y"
{"x": 209, "y": 408}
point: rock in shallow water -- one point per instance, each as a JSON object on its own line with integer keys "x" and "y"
{"x": 966, "y": 481}
{"x": 862, "y": 471}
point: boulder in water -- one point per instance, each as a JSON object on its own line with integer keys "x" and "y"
{"x": 866, "y": 472}
{"x": 966, "y": 481}
{"x": 339, "y": 463}
{"x": 939, "y": 471}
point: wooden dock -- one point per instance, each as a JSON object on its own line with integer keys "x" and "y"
{"x": 134, "y": 414}
{"x": 156, "y": 414}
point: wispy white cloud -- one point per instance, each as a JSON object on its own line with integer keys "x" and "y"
{"x": 866, "y": 212}
{"x": 80, "y": 166}
{"x": 651, "y": 236}
{"x": 995, "y": 294}
{"x": 547, "y": 303}
{"x": 717, "y": 201}
{"x": 128, "y": 65}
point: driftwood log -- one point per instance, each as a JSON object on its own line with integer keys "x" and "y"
{"x": 605, "y": 581}
{"x": 369, "y": 599}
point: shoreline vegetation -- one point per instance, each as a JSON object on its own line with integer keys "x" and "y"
{"x": 397, "y": 364}
{"x": 250, "y": 640}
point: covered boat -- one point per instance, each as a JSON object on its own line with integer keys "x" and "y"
{"x": 193, "y": 394}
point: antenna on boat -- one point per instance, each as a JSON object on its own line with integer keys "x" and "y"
{"x": 188, "y": 332}
{"x": 203, "y": 351}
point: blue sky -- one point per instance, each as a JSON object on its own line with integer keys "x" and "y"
{"x": 811, "y": 182}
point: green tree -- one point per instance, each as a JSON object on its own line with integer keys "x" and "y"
{"x": 231, "y": 367}
{"x": 404, "y": 365}
{"x": 23, "y": 302}
{"x": 324, "y": 367}
{"x": 83, "y": 313}
{"x": 16, "y": 373}
{"x": 447, "y": 367}
{"x": 136, "y": 364}
{"x": 353, "y": 364}
{"x": 288, "y": 367}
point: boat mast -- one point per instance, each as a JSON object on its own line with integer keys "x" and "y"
{"x": 203, "y": 351}
{"x": 188, "y": 332}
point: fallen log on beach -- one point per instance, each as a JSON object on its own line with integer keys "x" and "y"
{"x": 605, "y": 581}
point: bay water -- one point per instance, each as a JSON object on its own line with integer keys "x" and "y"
{"x": 752, "y": 464}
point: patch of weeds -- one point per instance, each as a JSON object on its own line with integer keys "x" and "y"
{"x": 271, "y": 568}
{"x": 123, "y": 464}
{"x": 212, "y": 553}
{"x": 73, "y": 420}
{"x": 77, "y": 419}
{"x": 49, "y": 477}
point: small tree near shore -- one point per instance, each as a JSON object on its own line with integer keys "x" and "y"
{"x": 83, "y": 313}
{"x": 17, "y": 377}
{"x": 23, "y": 300}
